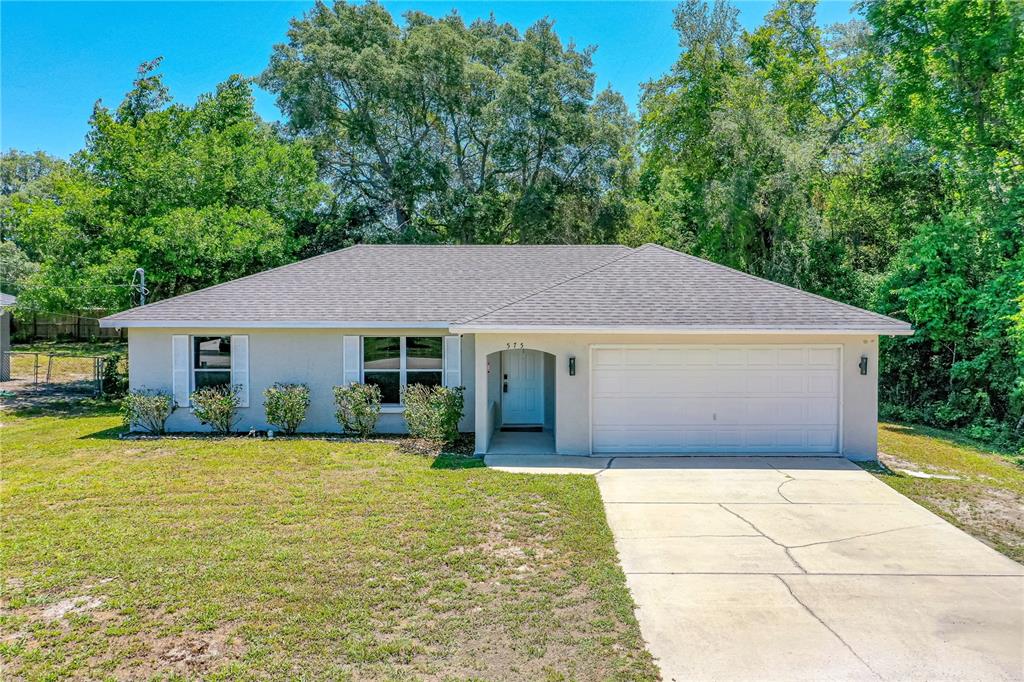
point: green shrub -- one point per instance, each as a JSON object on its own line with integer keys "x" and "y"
{"x": 286, "y": 405}
{"x": 147, "y": 410}
{"x": 216, "y": 406}
{"x": 115, "y": 375}
{"x": 433, "y": 412}
{"x": 358, "y": 408}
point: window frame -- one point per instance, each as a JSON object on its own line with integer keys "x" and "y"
{"x": 403, "y": 370}
{"x": 192, "y": 360}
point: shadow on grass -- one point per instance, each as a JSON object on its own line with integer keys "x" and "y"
{"x": 945, "y": 434}
{"x": 879, "y": 469}
{"x": 71, "y": 408}
{"x": 455, "y": 461}
{"x": 113, "y": 433}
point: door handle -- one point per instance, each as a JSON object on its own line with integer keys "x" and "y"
{"x": 504, "y": 387}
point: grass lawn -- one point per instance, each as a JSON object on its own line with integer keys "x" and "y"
{"x": 987, "y": 497}
{"x": 235, "y": 558}
{"x": 65, "y": 367}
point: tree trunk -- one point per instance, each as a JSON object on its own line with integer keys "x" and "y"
{"x": 402, "y": 223}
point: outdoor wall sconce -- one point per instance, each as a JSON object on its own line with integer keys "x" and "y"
{"x": 863, "y": 365}
{"x": 572, "y": 366}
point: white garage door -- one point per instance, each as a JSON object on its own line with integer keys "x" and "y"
{"x": 715, "y": 399}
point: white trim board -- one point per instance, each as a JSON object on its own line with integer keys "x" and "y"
{"x": 290, "y": 324}
{"x": 520, "y": 329}
{"x": 469, "y": 329}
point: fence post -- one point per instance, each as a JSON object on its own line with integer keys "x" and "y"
{"x": 35, "y": 365}
{"x": 49, "y": 367}
{"x": 99, "y": 362}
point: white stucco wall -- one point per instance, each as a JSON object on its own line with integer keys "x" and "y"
{"x": 859, "y": 399}
{"x": 314, "y": 357}
{"x": 309, "y": 356}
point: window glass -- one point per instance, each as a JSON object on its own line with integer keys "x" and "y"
{"x": 423, "y": 352}
{"x": 381, "y": 352}
{"x": 389, "y": 383}
{"x": 425, "y": 378}
{"x": 211, "y": 352}
{"x": 212, "y": 378}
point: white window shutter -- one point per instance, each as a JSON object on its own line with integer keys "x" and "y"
{"x": 453, "y": 361}
{"x": 351, "y": 359}
{"x": 180, "y": 369}
{"x": 240, "y": 367}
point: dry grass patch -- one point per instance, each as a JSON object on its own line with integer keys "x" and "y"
{"x": 984, "y": 497}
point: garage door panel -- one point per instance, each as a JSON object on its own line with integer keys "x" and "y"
{"x": 762, "y": 357}
{"x": 822, "y": 384}
{"x": 791, "y": 384}
{"x": 823, "y": 357}
{"x": 820, "y": 413}
{"x": 790, "y": 439}
{"x": 762, "y": 384}
{"x": 731, "y": 357}
{"x": 715, "y": 399}
{"x": 730, "y": 440}
{"x": 606, "y": 357}
{"x": 792, "y": 357}
{"x": 698, "y": 356}
{"x": 822, "y": 440}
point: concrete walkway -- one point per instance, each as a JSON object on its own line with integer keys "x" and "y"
{"x": 801, "y": 569}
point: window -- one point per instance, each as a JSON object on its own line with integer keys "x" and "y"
{"x": 211, "y": 361}
{"x": 391, "y": 362}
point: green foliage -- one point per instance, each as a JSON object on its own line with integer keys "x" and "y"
{"x": 879, "y": 163}
{"x": 115, "y": 375}
{"x": 216, "y": 407}
{"x": 357, "y": 408}
{"x": 15, "y": 267}
{"x": 286, "y": 405}
{"x": 441, "y": 131}
{"x": 433, "y": 412}
{"x": 195, "y": 195}
{"x": 147, "y": 410}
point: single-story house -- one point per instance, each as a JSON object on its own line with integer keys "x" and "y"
{"x": 570, "y": 349}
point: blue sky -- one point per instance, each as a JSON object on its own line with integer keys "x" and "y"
{"x": 58, "y": 58}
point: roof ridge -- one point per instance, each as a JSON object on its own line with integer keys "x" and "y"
{"x": 776, "y": 284}
{"x": 465, "y": 320}
{"x": 232, "y": 281}
{"x": 487, "y": 246}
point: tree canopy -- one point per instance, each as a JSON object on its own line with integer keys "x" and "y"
{"x": 195, "y": 195}
{"x": 440, "y": 131}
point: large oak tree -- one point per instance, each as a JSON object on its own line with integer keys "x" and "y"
{"x": 443, "y": 131}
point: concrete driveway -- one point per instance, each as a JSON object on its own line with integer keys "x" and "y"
{"x": 801, "y": 569}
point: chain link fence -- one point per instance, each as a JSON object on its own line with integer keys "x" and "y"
{"x": 53, "y": 373}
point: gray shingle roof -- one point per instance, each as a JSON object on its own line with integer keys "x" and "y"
{"x": 412, "y": 284}
{"x": 489, "y": 287}
{"x": 652, "y": 287}
{"x": 7, "y": 299}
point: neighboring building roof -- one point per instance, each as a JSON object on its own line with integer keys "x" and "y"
{"x": 479, "y": 288}
{"x": 7, "y": 299}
